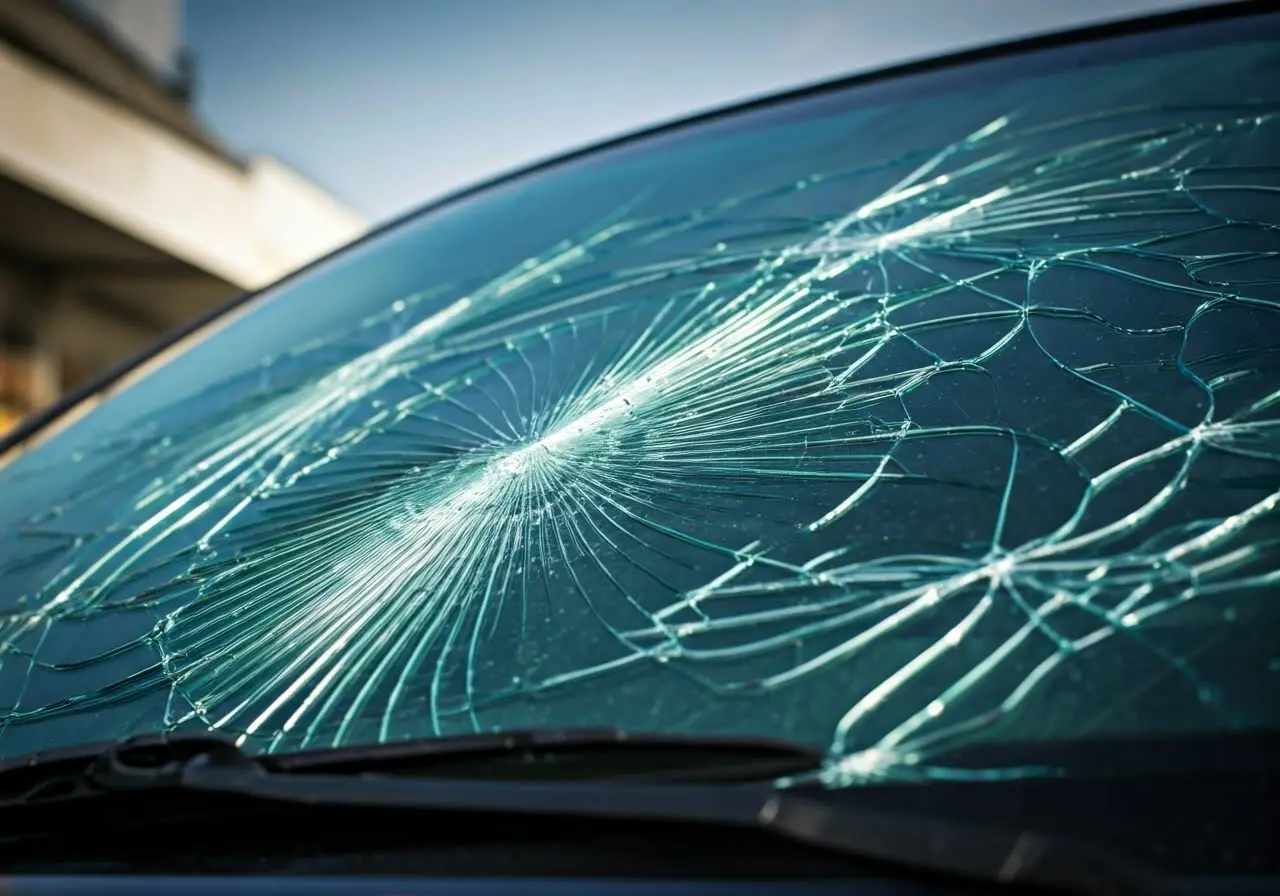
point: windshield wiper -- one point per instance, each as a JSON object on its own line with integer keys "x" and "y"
{"x": 602, "y": 775}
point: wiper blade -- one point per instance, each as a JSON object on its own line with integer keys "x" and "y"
{"x": 597, "y": 754}
{"x": 545, "y": 754}
{"x": 182, "y": 776}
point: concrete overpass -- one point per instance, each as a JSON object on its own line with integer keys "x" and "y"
{"x": 120, "y": 216}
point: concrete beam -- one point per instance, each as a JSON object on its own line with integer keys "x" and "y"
{"x": 245, "y": 224}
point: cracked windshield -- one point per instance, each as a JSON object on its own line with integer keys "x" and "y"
{"x": 895, "y": 419}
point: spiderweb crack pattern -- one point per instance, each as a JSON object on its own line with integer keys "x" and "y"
{"x": 897, "y": 479}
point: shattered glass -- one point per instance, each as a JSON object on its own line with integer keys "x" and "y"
{"x": 894, "y": 419}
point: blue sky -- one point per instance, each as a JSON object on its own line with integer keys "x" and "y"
{"x": 389, "y": 103}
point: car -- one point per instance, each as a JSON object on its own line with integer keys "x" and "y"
{"x": 872, "y": 488}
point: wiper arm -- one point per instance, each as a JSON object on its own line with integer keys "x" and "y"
{"x": 542, "y": 754}
{"x": 213, "y": 764}
{"x": 604, "y": 775}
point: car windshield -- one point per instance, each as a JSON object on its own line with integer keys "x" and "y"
{"x": 897, "y": 417}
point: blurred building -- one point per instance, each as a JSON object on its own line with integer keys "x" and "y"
{"x": 121, "y": 216}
